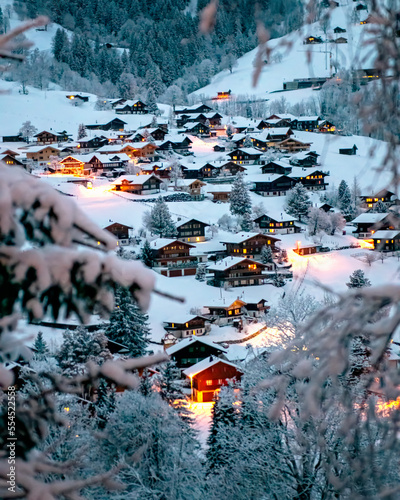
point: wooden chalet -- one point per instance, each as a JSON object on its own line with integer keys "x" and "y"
{"x": 138, "y": 184}
{"x": 222, "y": 315}
{"x": 219, "y": 149}
{"x": 272, "y": 185}
{"x": 256, "y": 309}
{"x": 292, "y": 145}
{"x": 326, "y": 127}
{"x": 307, "y": 123}
{"x": 221, "y": 192}
{"x": 192, "y": 187}
{"x": 248, "y": 245}
{"x": 192, "y": 230}
{"x": 198, "y": 129}
{"x": 369, "y": 223}
{"x": 276, "y": 167}
{"x": 188, "y": 327}
{"x": 245, "y": 156}
{"x": 325, "y": 207}
{"x": 46, "y": 137}
{"x": 341, "y": 39}
{"x": 231, "y": 168}
{"x": 141, "y": 149}
{"x": 172, "y": 257}
{"x": 132, "y": 108}
{"x": 208, "y": 376}
{"x": 157, "y": 133}
{"x": 303, "y": 250}
{"x": 74, "y": 165}
{"x": 239, "y": 271}
{"x": 310, "y": 40}
{"x": 120, "y": 231}
{"x": 114, "y": 124}
{"x": 10, "y": 160}
{"x": 88, "y": 145}
{"x": 348, "y": 151}
{"x": 385, "y": 196}
{"x": 194, "y": 109}
{"x": 386, "y": 241}
{"x": 313, "y": 181}
{"x": 77, "y": 97}
{"x": 178, "y": 143}
{"x": 279, "y": 224}
{"x": 191, "y": 350}
{"x": 338, "y": 29}
{"x": 306, "y": 160}
{"x": 42, "y": 154}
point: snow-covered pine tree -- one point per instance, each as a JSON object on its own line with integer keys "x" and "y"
{"x": 247, "y": 143}
{"x": 266, "y": 256}
{"x": 40, "y": 347}
{"x": 78, "y": 347}
{"x": 224, "y": 417}
{"x": 201, "y": 272}
{"x": 146, "y": 255}
{"x": 278, "y": 280}
{"x": 298, "y": 201}
{"x": 105, "y": 402}
{"x": 379, "y": 208}
{"x": 358, "y": 280}
{"x": 146, "y": 384}
{"x": 81, "y": 131}
{"x": 160, "y": 221}
{"x": 247, "y": 223}
{"x": 344, "y": 198}
{"x": 128, "y": 325}
{"x": 240, "y": 202}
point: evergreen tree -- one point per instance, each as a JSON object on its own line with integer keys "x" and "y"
{"x": 201, "y": 272}
{"x": 146, "y": 255}
{"x": 81, "y": 131}
{"x": 247, "y": 143}
{"x": 358, "y": 280}
{"x": 40, "y": 347}
{"x": 160, "y": 221}
{"x": 128, "y": 325}
{"x": 105, "y": 403}
{"x": 240, "y": 202}
{"x": 278, "y": 280}
{"x": 80, "y": 346}
{"x": 297, "y": 201}
{"x": 379, "y": 208}
{"x": 246, "y": 223}
{"x": 224, "y": 418}
{"x": 60, "y": 45}
{"x": 266, "y": 255}
{"x": 344, "y": 198}
{"x": 146, "y": 385}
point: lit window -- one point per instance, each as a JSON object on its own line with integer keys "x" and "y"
{"x": 209, "y": 382}
{"x": 230, "y": 313}
{"x": 378, "y": 241}
{"x": 244, "y": 250}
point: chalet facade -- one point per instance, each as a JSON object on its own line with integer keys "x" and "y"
{"x": 158, "y": 134}
{"x": 175, "y": 143}
{"x": 120, "y": 231}
{"x": 231, "y": 168}
{"x": 76, "y": 98}
{"x": 276, "y": 167}
{"x": 208, "y": 376}
{"x": 132, "y": 108}
{"x": 311, "y": 40}
{"x": 273, "y": 185}
{"x": 285, "y": 224}
{"x": 314, "y": 181}
{"x": 385, "y": 196}
{"x": 306, "y": 249}
{"x": 46, "y": 137}
{"x": 256, "y": 309}
{"x": 306, "y": 160}
{"x": 188, "y": 327}
{"x": 349, "y": 151}
{"x": 74, "y": 165}
{"x": 369, "y": 223}
{"x": 192, "y": 187}
{"x": 191, "y": 350}
{"x": 248, "y": 245}
{"x": 172, "y": 257}
{"x": 245, "y": 156}
{"x": 292, "y": 145}
{"x": 198, "y": 129}
{"x": 195, "y": 109}
{"x": 42, "y": 154}
{"x": 192, "y": 231}
{"x": 89, "y": 145}
{"x": 307, "y": 123}
{"x": 138, "y": 184}
{"x": 10, "y": 160}
{"x": 386, "y": 241}
{"x": 238, "y": 271}
{"x": 223, "y": 315}
{"x": 115, "y": 124}
{"x": 221, "y": 193}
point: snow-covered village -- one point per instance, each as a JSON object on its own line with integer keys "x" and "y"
{"x": 200, "y": 250}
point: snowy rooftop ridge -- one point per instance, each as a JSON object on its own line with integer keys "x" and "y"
{"x": 241, "y": 237}
{"x": 204, "y": 364}
{"x": 191, "y": 340}
{"x": 229, "y": 262}
{"x": 370, "y": 217}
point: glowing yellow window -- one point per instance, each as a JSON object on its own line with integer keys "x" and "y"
{"x": 173, "y": 325}
{"x": 378, "y": 241}
{"x": 387, "y": 241}
{"x": 244, "y": 250}
{"x": 186, "y": 325}
{"x": 269, "y": 242}
{"x": 291, "y": 223}
{"x": 230, "y": 313}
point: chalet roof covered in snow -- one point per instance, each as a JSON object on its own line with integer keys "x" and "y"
{"x": 279, "y": 216}
{"x": 134, "y": 179}
{"x": 163, "y": 242}
{"x": 240, "y": 237}
{"x": 385, "y": 235}
{"x": 192, "y": 340}
{"x": 206, "y": 363}
{"x": 37, "y": 149}
{"x": 218, "y": 188}
{"x": 229, "y": 262}
{"x": 369, "y": 218}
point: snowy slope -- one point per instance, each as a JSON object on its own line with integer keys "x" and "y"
{"x": 290, "y": 59}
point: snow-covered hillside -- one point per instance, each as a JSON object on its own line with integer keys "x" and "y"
{"x": 291, "y": 59}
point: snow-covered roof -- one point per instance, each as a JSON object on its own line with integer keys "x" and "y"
{"x": 239, "y": 237}
{"x": 218, "y": 188}
{"x": 37, "y": 149}
{"x": 206, "y": 363}
{"x": 112, "y": 148}
{"x": 307, "y": 118}
{"x": 385, "y": 235}
{"x": 189, "y": 182}
{"x": 134, "y": 179}
{"x": 229, "y": 262}
{"x": 369, "y": 218}
{"x": 163, "y": 242}
{"x": 271, "y": 132}
{"x": 280, "y": 216}
{"x": 191, "y": 340}
{"x": 181, "y": 223}
{"x": 249, "y": 151}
